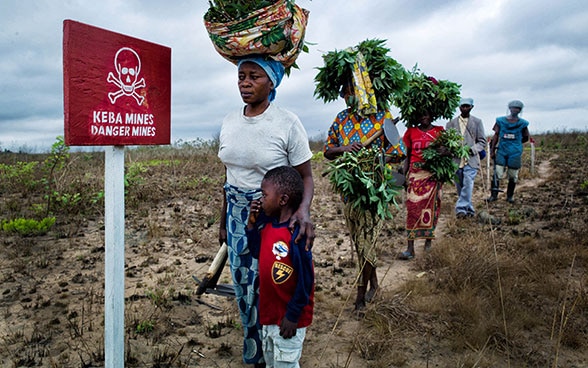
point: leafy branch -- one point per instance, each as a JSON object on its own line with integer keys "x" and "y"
{"x": 229, "y": 10}
{"x": 363, "y": 179}
{"x": 439, "y": 98}
{"x": 387, "y": 75}
{"x": 444, "y": 167}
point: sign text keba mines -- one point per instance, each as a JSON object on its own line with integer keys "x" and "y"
{"x": 117, "y": 89}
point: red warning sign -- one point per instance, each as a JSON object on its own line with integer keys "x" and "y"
{"x": 117, "y": 89}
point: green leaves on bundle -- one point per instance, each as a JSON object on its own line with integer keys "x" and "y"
{"x": 444, "y": 167}
{"x": 426, "y": 94}
{"x": 387, "y": 75}
{"x": 221, "y": 11}
{"x": 364, "y": 180}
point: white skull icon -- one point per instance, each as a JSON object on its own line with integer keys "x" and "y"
{"x": 128, "y": 66}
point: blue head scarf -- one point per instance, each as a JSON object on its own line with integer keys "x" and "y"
{"x": 274, "y": 70}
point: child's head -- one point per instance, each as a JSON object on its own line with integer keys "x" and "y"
{"x": 281, "y": 187}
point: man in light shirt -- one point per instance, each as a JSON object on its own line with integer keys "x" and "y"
{"x": 472, "y": 130}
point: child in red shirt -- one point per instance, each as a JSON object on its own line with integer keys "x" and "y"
{"x": 286, "y": 273}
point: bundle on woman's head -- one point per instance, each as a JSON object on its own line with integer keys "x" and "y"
{"x": 439, "y": 98}
{"x": 373, "y": 72}
{"x": 239, "y": 28}
{"x": 374, "y": 75}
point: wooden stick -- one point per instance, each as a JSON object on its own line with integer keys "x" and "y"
{"x": 373, "y": 137}
{"x": 214, "y": 271}
{"x": 532, "y": 156}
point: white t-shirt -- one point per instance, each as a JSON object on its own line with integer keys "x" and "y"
{"x": 250, "y": 146}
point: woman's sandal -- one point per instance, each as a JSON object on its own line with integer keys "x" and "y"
{"x": 405, "y": 256}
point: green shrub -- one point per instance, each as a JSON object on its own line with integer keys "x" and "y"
{"x": 144, "y": 327}
{"x": 21, "y": 174}
{"x": 28, "y": 227}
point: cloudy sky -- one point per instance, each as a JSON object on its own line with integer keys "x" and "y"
{"x": 498, "y": 50}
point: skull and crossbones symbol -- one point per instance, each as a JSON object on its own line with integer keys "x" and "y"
{"x": 128, "y": 66}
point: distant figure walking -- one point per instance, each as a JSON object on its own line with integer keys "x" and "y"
{"x": 424, "y": 192}
{"x": 472, "y": 131}
{"x": 506, "y": 149}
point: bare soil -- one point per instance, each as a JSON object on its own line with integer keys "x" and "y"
{"x": 52, "y": 286}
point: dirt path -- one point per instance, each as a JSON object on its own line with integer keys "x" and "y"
{"x": 335, "y": 338}
{"x": 332, "y": 340}
{"x": 396, "y": 273}
{"x": 542, "y": 173}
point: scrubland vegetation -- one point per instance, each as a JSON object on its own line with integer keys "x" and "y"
{"x": 509, "y": 294}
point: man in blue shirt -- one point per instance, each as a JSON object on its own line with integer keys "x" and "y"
{"x": 506, "y": 149}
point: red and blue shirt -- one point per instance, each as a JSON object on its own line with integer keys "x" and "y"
{"x": 286, "y": 274}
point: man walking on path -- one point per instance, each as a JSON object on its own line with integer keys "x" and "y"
{"x": 506, "y": 149}
{"x": 472, "y": 130}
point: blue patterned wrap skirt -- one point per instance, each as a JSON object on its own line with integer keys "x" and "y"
{"x": 244, "y": 269}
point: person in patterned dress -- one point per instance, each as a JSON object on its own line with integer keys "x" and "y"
{"x": 423, "y": 195}
{"x": 347, "y": 133}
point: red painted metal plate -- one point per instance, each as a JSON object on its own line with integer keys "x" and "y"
{"x": 117, "y": 89}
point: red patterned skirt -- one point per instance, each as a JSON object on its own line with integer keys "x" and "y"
{"x": 423, "y": 204}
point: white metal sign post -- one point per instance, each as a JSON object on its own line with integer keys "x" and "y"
{"x": 114, "y": 287}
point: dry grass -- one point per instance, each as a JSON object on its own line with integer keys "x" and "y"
{"x": 510, "y": 295}
{"x": 514, "y": 293}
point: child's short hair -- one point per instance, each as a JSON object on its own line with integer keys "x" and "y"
{"x": 288, "y": 181}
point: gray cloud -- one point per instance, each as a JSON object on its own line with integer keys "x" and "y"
{"x": 497, "y": 50}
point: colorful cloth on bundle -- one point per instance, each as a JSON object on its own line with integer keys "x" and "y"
{"x": 349, "y": 128}
{"x": 423, "y": 203}
{"x": 362, "y": 87}
{"x": 277, "y": 30}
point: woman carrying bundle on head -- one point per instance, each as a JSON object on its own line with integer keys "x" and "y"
{"x": 358, "y": 130}
{"x": 256, "y": 138}
{"x": 430, "y": 153}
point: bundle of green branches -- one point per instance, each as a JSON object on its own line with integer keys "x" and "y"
{"x": 426, "y": 94}
{"x": 444, "y": 167}
{"x": 222, "y": 11}
{"x": 387, "y": 75}
{"x": 363, "y": 179}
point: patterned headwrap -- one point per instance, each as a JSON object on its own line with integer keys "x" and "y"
{"x": 274, "y": 70}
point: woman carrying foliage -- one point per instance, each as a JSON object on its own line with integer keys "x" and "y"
{"x": 263, "y": 38}
{"x": 346, "y": 134}
{"x": 253, "y": 140}
{"x": 366, "y": 79}
{"x": 425, "y": 100}
{"x": 423, "y": 196}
